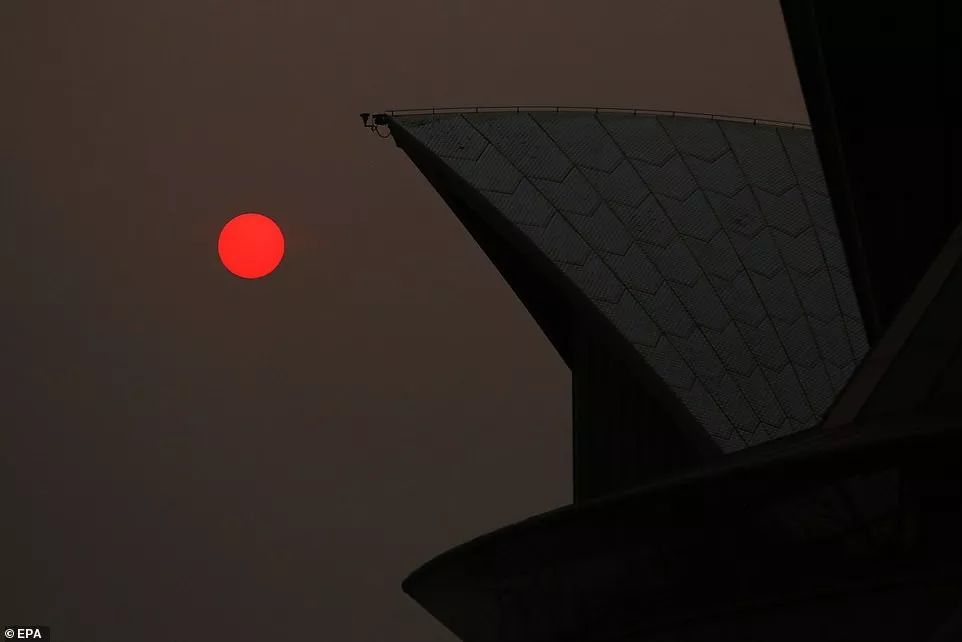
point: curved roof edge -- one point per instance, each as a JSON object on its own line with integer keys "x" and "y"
{"x": 617, "y": 110}
{"x": 848, "y": 451}
{"x": 470, "y": 587}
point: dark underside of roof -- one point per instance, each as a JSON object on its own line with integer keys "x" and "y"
{"x": 881, "y": 83}
{"x": 849, "y": 534}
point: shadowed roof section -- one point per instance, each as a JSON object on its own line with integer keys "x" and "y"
{"x": 893, "y": 178}
{"x": 710, "y": 246}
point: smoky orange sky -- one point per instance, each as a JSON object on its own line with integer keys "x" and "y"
{"x": 185, "y": 454}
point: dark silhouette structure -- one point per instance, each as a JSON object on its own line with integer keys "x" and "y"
{"x": 764, "y": 328}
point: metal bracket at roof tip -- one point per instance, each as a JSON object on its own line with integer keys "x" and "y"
{"x": 374, "y": 122}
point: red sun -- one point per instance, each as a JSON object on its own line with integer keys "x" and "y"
{"x": 251, "y": 245}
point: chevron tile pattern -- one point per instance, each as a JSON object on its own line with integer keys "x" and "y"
{"x": 710, "y": 245}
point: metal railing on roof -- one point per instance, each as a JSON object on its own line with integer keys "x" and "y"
{"x": 596, "y": 110}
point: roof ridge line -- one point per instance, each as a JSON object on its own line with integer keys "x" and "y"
{"x": 619, "y": 110}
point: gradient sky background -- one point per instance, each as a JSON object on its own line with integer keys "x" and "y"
{"x": 186, "y": 454}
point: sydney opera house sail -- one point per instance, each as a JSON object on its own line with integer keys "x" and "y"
{"x": 761, "y": 321}
{"x": 708, "y": 245}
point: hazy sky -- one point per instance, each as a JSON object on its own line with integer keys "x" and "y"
{"x": 184, "y": 452}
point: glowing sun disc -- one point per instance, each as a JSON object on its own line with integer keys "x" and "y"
{"x": 251, "y": 245}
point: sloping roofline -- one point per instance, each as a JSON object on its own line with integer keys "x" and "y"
{"x": 475, "y": 109}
